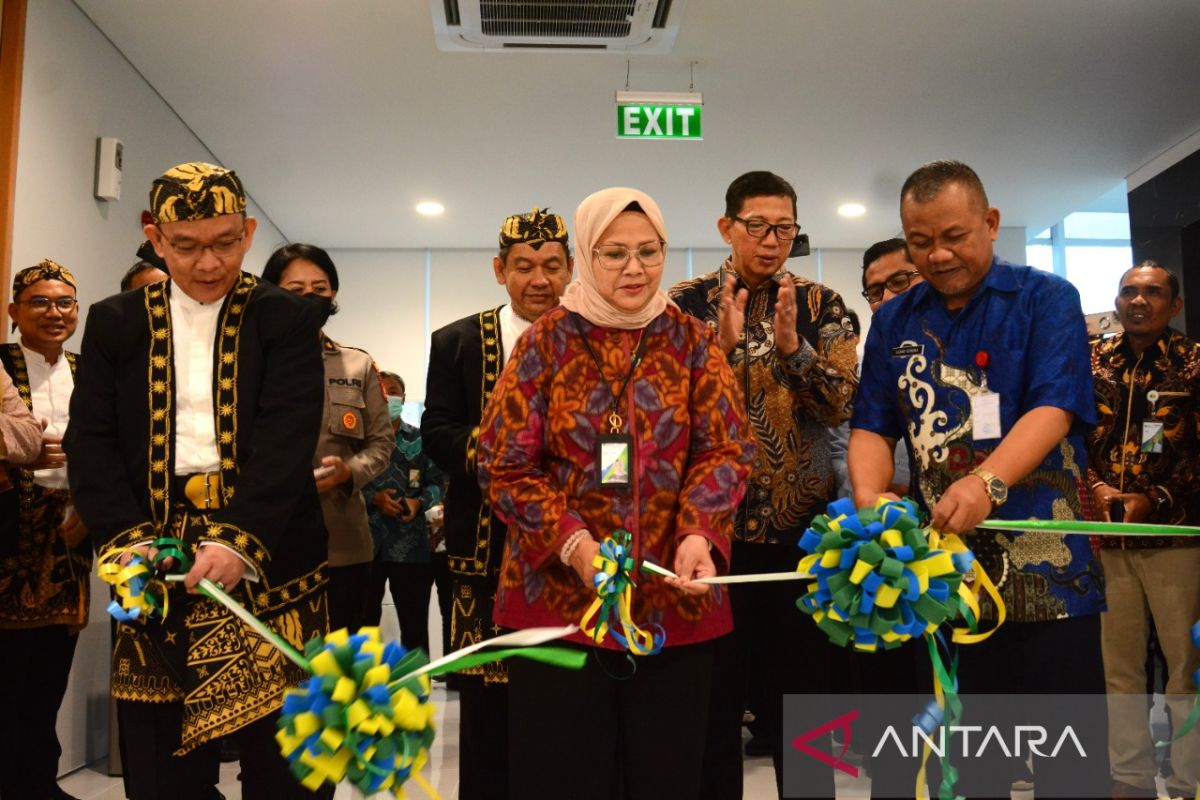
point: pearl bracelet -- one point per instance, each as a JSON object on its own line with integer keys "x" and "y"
{"x": 571, "y": 545}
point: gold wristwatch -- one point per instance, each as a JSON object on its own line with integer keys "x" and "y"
{"x": 997, "y": 490}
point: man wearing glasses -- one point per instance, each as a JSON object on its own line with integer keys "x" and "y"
{"x": 197, "y": 415}
{"x": 466, "y": 358}
{"x": 794, "y": 358}
{"x": 887, "y": 272}
{"x": 45, "y": 552}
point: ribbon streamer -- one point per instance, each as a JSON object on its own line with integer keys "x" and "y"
{"x": 131, "y": 583}
{"x": 1089, "y": 528}
{"x": 141, "y": 593}
{"x": 365, "y": 713}
{"x": 614, "y": 592}
{"x": 882, "y": 580}
{"x": 762, "y": 577}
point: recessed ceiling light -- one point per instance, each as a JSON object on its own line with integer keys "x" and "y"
{"x": 852, "y": 210}
{"x": 430, "y": 208}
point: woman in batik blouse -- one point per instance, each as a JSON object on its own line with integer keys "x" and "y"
{"x": 616, "y": 413}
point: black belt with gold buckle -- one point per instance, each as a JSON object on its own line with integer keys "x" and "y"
{"x": 202, "y": 489}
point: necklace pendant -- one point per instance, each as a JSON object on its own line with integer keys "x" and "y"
{"x": 615, "y": 422}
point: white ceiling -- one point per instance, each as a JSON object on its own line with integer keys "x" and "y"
{"x": 341, "y": 114}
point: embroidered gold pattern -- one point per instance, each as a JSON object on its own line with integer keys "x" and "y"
{"x": 225, "y": 381}
{"x": 492, "y": 351}
{"x": 159, "y": 379}
{"x": 42, "y": 581}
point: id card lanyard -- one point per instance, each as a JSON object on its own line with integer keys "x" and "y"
{"x": 615, "y": 452}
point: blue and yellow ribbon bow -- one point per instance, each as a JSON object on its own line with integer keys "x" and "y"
{"x": 614, "y": 593}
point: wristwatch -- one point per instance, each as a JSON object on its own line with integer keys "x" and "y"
{"x": 997, "y": 490}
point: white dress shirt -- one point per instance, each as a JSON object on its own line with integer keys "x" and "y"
{"x": 511, "y": 328}
{"x": 50, "y": 387}
{"x": 193, "y": 337}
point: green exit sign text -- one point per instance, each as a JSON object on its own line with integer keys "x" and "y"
{"x": 643, "y": 118}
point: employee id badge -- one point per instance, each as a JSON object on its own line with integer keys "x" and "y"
{"x": 615, "y": 459}
{"x": 985, "y": 416}
{"x": 1152, "y": 437}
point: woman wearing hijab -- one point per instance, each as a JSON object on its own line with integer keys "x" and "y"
{"x": 616, "y": 413}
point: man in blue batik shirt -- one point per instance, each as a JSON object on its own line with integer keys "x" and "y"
{"x": 984, "y": 368}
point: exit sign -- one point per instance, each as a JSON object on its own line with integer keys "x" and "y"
{"x": 662, "y": 115}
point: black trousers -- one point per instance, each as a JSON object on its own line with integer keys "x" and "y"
{"x": 483, "y": 739}
{"x": 410, "y": 586}
{"x": 150, "y": 736}
{"x": 348, "y": 589}
{"x": 583, "y": 735}
{"x": 1054, "y": 657}
{"x": 776, "y": 646}
{"x": 34, "y": 666}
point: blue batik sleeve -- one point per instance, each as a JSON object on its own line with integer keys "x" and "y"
{"x": 1059, "y": 370}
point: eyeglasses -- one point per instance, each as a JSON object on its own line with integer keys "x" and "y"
{"x": 41, "y": 305}
{"x": 896, "y": 282}
{"x": 614, "y": 256}
{"x": 222, "y": 248}
{"x": 759, "y": 229}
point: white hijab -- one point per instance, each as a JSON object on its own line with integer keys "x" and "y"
{"x": 592, "y": 218}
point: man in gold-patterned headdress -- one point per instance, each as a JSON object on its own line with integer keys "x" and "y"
{"x": 465, "y": 359}
{"x": 45, "y": 555}
{"x": 197, "y": 414}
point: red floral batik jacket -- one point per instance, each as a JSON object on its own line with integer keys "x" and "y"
{"x": 538, "y": 455}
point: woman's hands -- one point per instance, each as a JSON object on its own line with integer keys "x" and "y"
{"x": 582, "y": 558}
{"x": 692, "y": 561}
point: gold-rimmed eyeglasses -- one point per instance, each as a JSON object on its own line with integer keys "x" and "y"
{"x": 615, "y": 256}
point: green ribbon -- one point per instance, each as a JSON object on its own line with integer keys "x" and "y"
{"x": 1089, "y": 528}
{"x": 564, "y": 657}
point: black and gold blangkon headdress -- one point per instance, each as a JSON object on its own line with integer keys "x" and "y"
{"x": 534, "y": 229}
{"x": 44, "y": 270}
{"x": 195, "y": 191}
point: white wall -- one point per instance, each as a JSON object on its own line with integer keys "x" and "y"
{"x": 77, "y": 87}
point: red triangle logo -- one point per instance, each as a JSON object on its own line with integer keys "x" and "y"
{"x": 842, "y": 723}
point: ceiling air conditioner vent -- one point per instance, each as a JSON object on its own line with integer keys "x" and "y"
{"x": 628, "y": 26}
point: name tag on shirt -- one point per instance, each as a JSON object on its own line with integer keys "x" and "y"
{"x": 1152, "y": 437}
{"x": 903, "y": 350}
{"x": 985, "y": 416}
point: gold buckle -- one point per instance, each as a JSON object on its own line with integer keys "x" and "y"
{"x": 202, "y": 491}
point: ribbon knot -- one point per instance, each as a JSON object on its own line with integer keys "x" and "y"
{"x": 613, "y": 604}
